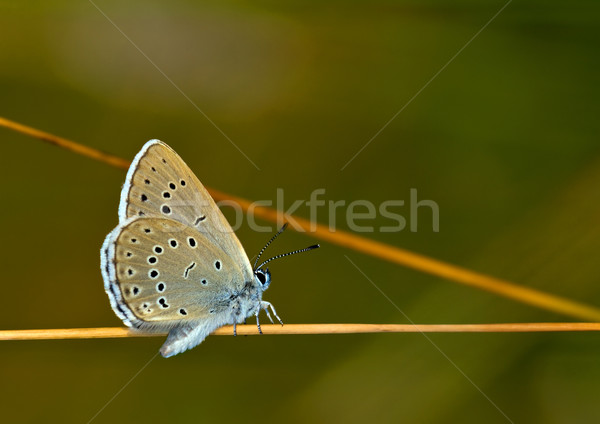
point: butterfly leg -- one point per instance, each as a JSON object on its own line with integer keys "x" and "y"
{"x": 269, "y": 316}
{"x": 257, "y": 321}
{"x": 234, "y": 328}
{"x": 264, "y": 305}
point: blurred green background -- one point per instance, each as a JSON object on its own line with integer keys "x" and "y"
{"x": 505, "y": 140}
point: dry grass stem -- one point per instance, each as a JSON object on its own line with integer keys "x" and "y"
{"x": 249, "y": 330}
{"x": 361, "y": 244}
{"x": 66, "y": 144}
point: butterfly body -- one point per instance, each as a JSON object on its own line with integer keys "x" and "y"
{"x": 173, "y": 263}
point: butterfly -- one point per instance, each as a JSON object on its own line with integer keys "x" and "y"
{"x": 173, "y": 263}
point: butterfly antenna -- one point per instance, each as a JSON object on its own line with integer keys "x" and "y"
{"x": 268, "y": 243}
{"x": 306, "y": 249}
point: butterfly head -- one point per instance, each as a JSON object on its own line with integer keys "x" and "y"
{"x": 263, "y": 276}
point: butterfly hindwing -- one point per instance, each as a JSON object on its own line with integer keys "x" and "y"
{"x": 161, "y": 272}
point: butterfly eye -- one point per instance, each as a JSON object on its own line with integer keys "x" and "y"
{"x": 263, "y": 277}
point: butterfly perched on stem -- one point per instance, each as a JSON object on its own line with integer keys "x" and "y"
{"x": 173, "y": 263}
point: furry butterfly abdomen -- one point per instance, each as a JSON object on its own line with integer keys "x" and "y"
{"x": 173, "y": 263}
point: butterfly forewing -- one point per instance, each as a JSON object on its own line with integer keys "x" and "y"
{"x": 160, "y": 184}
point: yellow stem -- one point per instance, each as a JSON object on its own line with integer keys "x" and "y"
{"x": 249, "y": 330}
{"x": 361, "y": 244}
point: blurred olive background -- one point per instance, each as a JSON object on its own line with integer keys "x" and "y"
{"x": 504, "y": 139}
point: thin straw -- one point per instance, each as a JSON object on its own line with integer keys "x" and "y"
{"x": 358, "y": 243}
{"x": 251, "y": 330}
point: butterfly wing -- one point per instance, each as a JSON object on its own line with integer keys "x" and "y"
{"x": 159, "y": 183}
{"x": 159, "y": 273}
{"x": 173, "y": 262}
